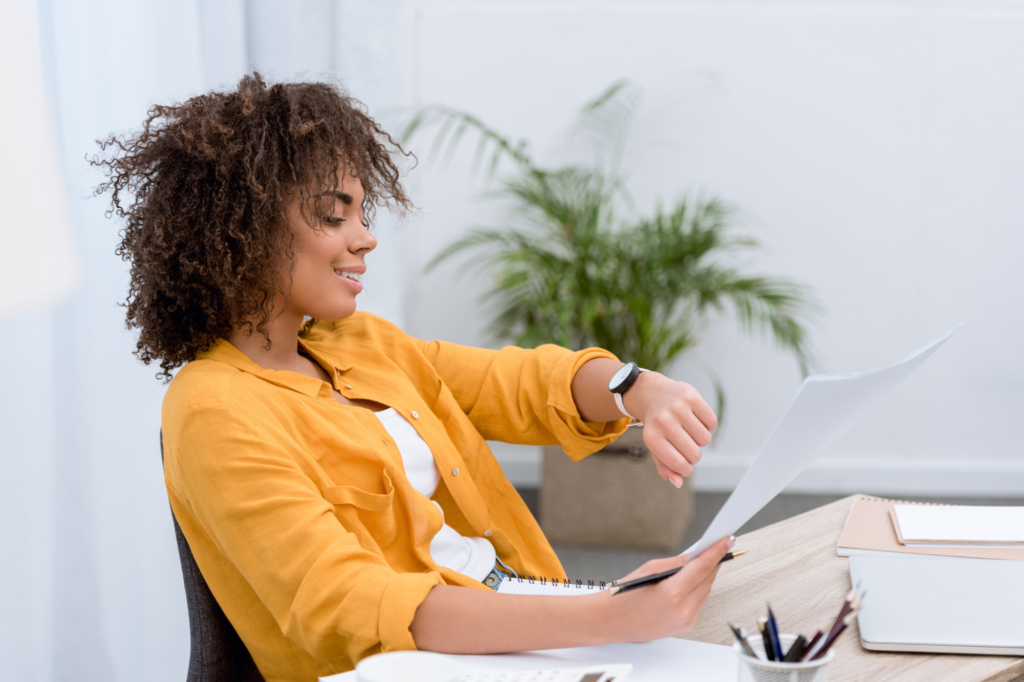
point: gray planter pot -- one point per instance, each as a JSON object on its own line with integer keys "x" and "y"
{"x": 613, "y": 498}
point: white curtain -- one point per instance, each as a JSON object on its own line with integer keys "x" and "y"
{"x": 91, "y": 583}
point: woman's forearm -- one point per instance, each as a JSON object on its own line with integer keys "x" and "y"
{"x": 460, "y": 620}
{"x": 590, "y": 391}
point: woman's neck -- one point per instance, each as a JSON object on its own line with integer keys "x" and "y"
{"x": 283, "y": 353}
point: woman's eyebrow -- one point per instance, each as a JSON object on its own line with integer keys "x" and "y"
{"x": 343, "y": 197}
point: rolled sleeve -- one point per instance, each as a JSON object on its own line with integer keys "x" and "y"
{"x": 524, "y": 396}
{"x": 577, "y": 437}
{"x": 402, "y": 596}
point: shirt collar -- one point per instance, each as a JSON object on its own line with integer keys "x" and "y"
{"x": 222, "y": 350}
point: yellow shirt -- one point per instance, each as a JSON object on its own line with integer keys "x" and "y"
{"x": 298, "y": 509}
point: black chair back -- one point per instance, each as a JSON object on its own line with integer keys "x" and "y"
{"x": 216, "y": 652}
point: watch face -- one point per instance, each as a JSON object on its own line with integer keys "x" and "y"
{"x": 620, "y": 376}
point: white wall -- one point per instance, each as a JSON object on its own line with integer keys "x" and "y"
{"x": 877, "y": 151}
{"x": 93, "y": 587}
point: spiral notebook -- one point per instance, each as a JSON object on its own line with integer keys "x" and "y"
{"x": 542, "y": 586}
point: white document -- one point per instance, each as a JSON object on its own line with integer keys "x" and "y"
{"x": 825, "y": 408}
{"x": 922, "y": 525}
{"x": 658, "y": 661}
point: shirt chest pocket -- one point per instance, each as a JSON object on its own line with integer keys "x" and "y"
{"x": 370, "y": 516}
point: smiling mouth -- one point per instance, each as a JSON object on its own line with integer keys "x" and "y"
{"x": 354, "y": 276}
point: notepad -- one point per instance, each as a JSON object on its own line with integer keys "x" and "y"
{"x": 541, "y": 586}
{"x": 956, "y": 526}
{"x": 870, "y": 531}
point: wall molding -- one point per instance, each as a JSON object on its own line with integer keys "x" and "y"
{"x": 976, "y": 477}
{"x": 941, "y": 477}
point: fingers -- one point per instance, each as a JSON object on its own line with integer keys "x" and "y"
{"x": 710, "y": 558}
{"x": 695, "y": 428}
{"x": 671, "y": 606}
{"x": 695, "y": 586}
{"x": 704, "y": 413}
{"x": 683, "y": 413}
{"x": 666, "y": 473}
{"x": 674, "y": 452}
{"x": 677, "y": 432}
{"x": 656, "y": 566}
{"x": 688, "y": 402}
{"x": 683, "y": 443}
{"x": 698, "y": 598}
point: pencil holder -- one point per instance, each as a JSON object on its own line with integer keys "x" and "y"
{"x": 763, "y": 670}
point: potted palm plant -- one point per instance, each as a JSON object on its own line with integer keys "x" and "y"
{"x": 579, "y": 266}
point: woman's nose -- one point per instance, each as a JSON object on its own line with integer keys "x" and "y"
{"x": 364, "y": 240}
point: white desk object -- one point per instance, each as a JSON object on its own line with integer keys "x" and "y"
{"x": 659, "y": 661}
{"x": 959, "y": 526}
{"x": 940, "y": 604}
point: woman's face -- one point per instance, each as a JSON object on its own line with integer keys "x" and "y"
{"x": 329, "y": 253}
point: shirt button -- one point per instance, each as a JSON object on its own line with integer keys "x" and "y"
{"x": 455, "y": 471}
{"x": 415, "y": 415}
{"x": 488, "y": 533}
{"x": 348, "y": 386}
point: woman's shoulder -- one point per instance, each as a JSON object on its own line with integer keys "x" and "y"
{"x": 205, "y": 382}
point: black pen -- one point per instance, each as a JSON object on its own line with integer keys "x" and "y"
{"x": 741, "y": 637}
{"x": 796, "y": 650}
{"x": 658, "y": 577}
{"x": 766, "y": 637}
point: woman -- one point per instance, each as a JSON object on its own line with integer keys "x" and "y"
{"x": 329, "y": 472}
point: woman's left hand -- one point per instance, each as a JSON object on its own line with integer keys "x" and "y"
{"x": 677, "y": 423}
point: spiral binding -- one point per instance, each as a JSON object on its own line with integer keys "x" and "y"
{"x": 565, "y": 582}
{"x": 870, "y": 498}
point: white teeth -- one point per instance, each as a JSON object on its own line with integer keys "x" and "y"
{"x": 351, "y": 275}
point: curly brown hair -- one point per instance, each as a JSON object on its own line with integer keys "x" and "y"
{"x": 202, "y": 188}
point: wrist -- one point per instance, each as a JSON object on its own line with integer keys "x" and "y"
{"x": 608, "y": 619}
{"x": 637, "y": 399}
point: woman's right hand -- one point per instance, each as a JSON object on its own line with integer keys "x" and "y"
{"x": 669, "y": 608}
{"x": 460, "y": 620}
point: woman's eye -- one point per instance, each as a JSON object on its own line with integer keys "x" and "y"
{"x": 366, "y": 224}
{"x": 333, "y": 220}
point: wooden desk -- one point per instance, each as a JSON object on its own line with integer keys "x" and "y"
{"x": 793, "y": 565}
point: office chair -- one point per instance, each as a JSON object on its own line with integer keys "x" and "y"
{"x": 216, "y": 652}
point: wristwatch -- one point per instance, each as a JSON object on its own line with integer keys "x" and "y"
{"x": 621, "y": 382}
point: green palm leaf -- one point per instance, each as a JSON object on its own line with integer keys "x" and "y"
{"x": 576, "y": 268}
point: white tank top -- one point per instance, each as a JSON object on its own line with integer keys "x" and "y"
{"x": 471, "y": 556}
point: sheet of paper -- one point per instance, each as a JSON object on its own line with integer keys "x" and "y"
{"x": 825, "y": 408}
{"x": 660, "y": 661}
{"x": 923, "y": 525}
{"x": 663, "y": 660}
